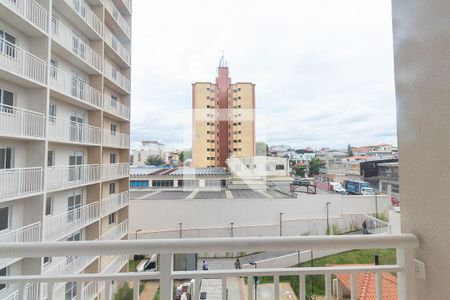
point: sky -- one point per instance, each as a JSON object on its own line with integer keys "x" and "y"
{"x": 323, "y": 69}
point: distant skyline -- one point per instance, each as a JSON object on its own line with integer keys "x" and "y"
{"x": 323, "y": 70}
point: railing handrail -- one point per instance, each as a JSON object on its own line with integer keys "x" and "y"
{"x": 90, "y": 18}
{"x": 39, "y": 7}
{"x": 119, "y": 228}
{"x": 15, "y": 46}
{"x": 121, "y": 21}
{"x": 122, "y": 51}
{"x": 73, "y": 166}
{"x": 21, "y": 169}
{"x": 69, "y": 122}
{"x": 129, "y": 247}
{"x": 84, "y": 207}
{"x": 36, "y": 225}
{"x": 122, "y": 80}
{"x": 116, "y": 133}
{"x": 21, "y": 109}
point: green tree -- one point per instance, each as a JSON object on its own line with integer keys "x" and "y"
{"x": 154, "y": 160}
{"x": 313, "y": 166}
{"x": 181, "y": 156}
{"x": 349, "y": 150}
{"x": 261, "y": 149}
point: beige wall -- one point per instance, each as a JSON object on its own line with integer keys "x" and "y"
{"x": 422, "y": 64}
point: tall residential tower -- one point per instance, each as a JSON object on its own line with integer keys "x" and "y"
{"x": 223, "y": 120}
{"x": 64, "y": 134}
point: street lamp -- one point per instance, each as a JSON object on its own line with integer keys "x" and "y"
{"x": 231, "y": 229}
{"x": 376, "y": 205}
{"x": 181, "y": 230}
{"x": 256, "y": 278}
{"x": 137, "y": 232}
{"x": 328, "y": 218}
{"x": 281, "y": 224}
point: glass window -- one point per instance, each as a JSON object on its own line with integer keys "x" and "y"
{"x": 112, "y": 158}
{"x": 113, "y": 129}
{"x": 6, "y": 97}
{"x": 6, "y": 158}
{"x": 112, "y": 188}
{"x": 53, "y": 68}
{"x": 4, "y": 218}
{"x": 47, "y": 260}
{"x": 3, "y": 272}
{"x": 112, "y": 218}
{"x": 52, "y": 112}
{"x": 49, "y": 205}
{"x": 50, "y": 158}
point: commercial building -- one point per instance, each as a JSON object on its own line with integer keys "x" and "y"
{"x": 64, "y": 135}
{"x": 223, "y": 120}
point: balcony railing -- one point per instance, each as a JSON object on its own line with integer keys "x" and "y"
{"x": 67, "y": 131}
{"x": 21, "y": 62}
{"x": 19, "y": 122}
{"x": 114, "y": 203}
{"x": 116, "y": 233}
{"x": 72, "y": 42}
{"x": 70, "y": 176}
{"x": 115, "y": 139}
{"x": 18, "y": 182}
{"x": 116, "y": 108}
{"x": 70, "y": 265}
{"x": 71, "y": 86}
{"x": 59, "y": 226}
{"x": 90, "y": 291}
{"x": 404, "y": 243}
{"x": 112, "y": 41}
{"x": 117, "y": 16}
{"x": 30, "y": 292}
{"x": 29, "y": 10}
{"x": 116, "y": 76}
{"x": 86, "y": 13}
{"x": 115, "y": 171}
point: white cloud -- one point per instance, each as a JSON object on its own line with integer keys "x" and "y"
{"x": 323, "y": 69}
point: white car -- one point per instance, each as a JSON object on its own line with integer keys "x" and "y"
{"x": 148, "y": 264}
{"x": 340, "y": 190}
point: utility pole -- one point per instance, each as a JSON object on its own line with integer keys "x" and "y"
{"x": 231, "y": 229}
{"x": 328, "y": 218}
{"x": 281, "y": 224}
{"x": 181, "y": 230}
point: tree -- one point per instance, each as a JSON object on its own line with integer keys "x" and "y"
{"x": 154, "y": 160}
{"x": 181, "y": 156}
{"x": 349, "y": 150}
{"x": 314, "y": 165}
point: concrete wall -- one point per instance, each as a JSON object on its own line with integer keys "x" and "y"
{"x": 422, "y": 64}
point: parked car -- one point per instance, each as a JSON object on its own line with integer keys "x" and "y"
{"x": 148, "y": 264}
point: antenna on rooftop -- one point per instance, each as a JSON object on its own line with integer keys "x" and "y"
{"x": 223, "y": 63}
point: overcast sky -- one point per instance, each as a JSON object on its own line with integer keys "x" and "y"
{"x": 323, "y": 69}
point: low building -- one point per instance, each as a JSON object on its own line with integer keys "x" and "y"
{"x": 259, "y": 167}
{"x": 388, "y": 179}
{"x": 145, "y": 150}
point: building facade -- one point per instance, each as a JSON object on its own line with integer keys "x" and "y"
{"x": 223, "y": 120}
{"x": 145, "y": 150}
{"x": 64, "y": 133}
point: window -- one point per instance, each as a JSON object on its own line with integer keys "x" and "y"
{"x": 74, "y": 202}
{"x": 49, "y": 205}
{"x": 55, "y": 25}
{"x": 139, "y": 183}
{"x": 74, "y": 237}
{"x": 71, "y": 290}
{"x": 112, "y": 188}
{"x": 7, "y": 44}
{"x": 4, "y": 218}
{"x": 112, "y": 158}
{"x": 52, "y": 113}
{"x": 113, "y": 129}
{"x": 6, "y": 98}
{"x": 239, "y": 89}
{"x": 53, "y": 68}
{"x": 162, "y": 183}
{"x": 50, "y": 158}
{"x": 47, "y": 260}
{"x": 114, "y": 101}
{"x": 6, "y": 158}
{"x": 112, "y": 218}
{"x": 3, "y": 272}
{"x": 279, "y": 167}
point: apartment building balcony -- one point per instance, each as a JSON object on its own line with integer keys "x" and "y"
{"x": 21, "y": 123}
{"x": 119, "y": 82}
{"x": 72, "y": 47}
{"x": 115, "y": 108}
{"x": 29, "y": 292}
{"x": 20, "y": 182}
{"x": 20, "y": 66}
{"x": 28, "y": 15}
{"x": 26, "y": 234}
{"x": 124, "y": 6}
{"x": 90, "y": 290}
{"x": 116, "y": 139}
{"x": 116, "y": 233}
{"x": 115, "y": 171}
{"x": 69, "y": 88}
{"x": 70, "y": 265}
{"x": 114, "y": 203}
{"x": 63, "y": 177}
{"x": 404, "y": 266}
{"x": 116, "y": 51}
{"x": 66, "y": 131}
{"x": 115, "y": 16}
{"x": 81, "y": 15}
{"x": 59, "y": 226}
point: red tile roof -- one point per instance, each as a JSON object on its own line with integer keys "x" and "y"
{"x": 366, "y": 285}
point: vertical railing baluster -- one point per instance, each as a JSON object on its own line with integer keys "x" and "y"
{"x": 328, "y": 286}
{"x": 136, "y": 289}
{"x": 302, "y": 287}
{"x": 353, "y": 286}
{"x": 224, "y": 289}
{"x": 379, "y": 285}
{"x": 166, "y": 282}
{"x": 276, "y": 287}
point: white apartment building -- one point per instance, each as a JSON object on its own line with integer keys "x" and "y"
{"x": 64, "y": 134}
{"x": 146, "y": 149}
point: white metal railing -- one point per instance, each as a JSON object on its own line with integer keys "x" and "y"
{"x": 65, "y": 130}
{"x": 404, "y": 243}
{"x": 21, "y": 62}
{"x": 114, "y": 202}
{"x": 72, "y": 42}
{"x": 90, "y": 291}
{"x": 17, "y": 182}
{"x": 115, "y": 107}
{"x": 85, "y": 12}
{"x": 116, "y": 264}
{"x": 115, "y": 171}
{"x": 59, "y": 226}
{"x": 29, "y": 10}
{"x": 117, "y": 77}
{"x": 70, "y": 265}
{"x": 117, "y": 232}
{"x": 73, "y": 175}
{"x": 114, "y": 42}
{"x": 19, "y": 122}
{"x": 376, "y": 226}
{"x": 127, "y": 4}
{"x": 70, "y": 85}
{"x": 26, "y": 234}
{"x": 117, "y": 16}
{"x": 116, "y": 139}
{"x": 30, "y": 292}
